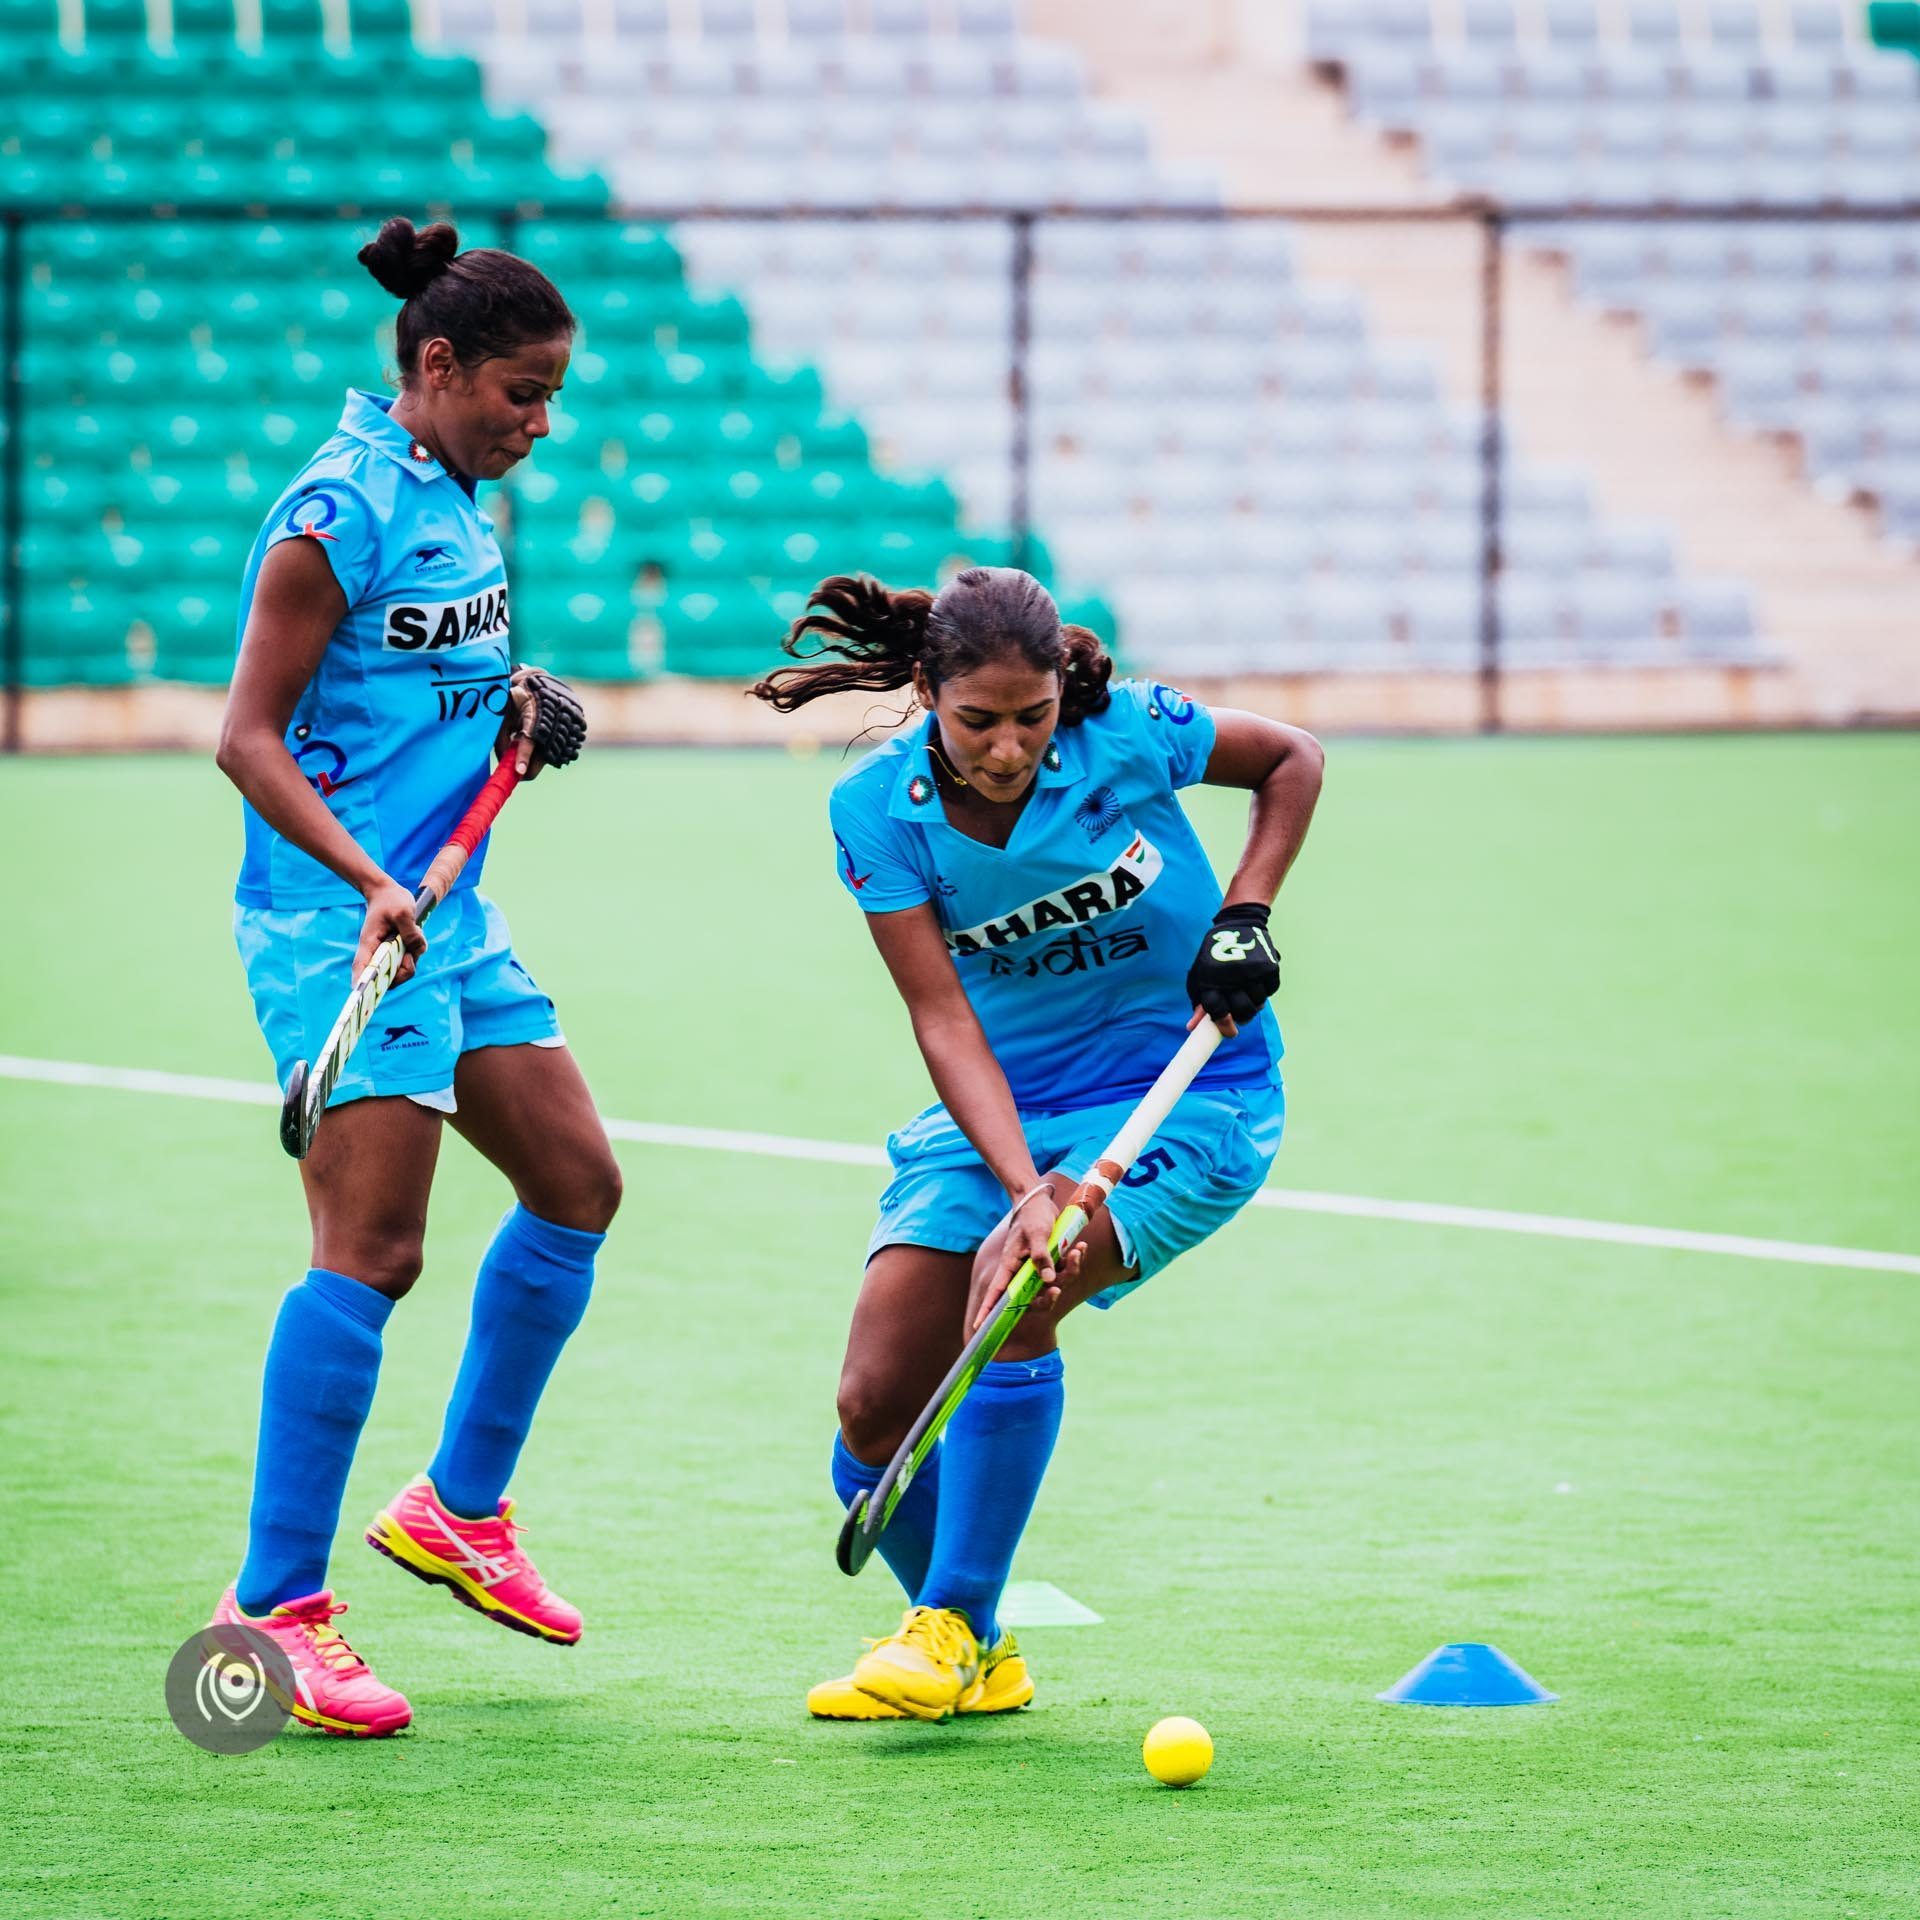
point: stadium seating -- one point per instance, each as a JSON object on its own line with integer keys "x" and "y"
{"x": 1257, "y": 483}
{"x": 1811, "y": 328}
{"x": 177, "y": 367}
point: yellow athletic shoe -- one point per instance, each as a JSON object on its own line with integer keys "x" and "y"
{"x": 925, "y": 1667}
{"x": 1004, "y": 1686}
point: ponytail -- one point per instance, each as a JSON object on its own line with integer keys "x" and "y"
{"x": 1085, "y": 669}
{"x": 874, "y": 633}
{"x": 878, "y": 635}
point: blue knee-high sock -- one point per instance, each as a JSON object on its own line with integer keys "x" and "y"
{"x": 997, "y": 1445}
{"x": 907, "y": 1544}
{"x": 322, "y": 1364}
{"x": 533, "y": 1287}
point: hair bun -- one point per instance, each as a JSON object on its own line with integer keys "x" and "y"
{"x": 407, "y": 262}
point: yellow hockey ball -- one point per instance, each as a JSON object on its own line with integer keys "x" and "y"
{"x": 1177, "y": 1751}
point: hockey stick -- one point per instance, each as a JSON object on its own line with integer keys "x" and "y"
{"x": 869, "y": 1512}
{"x": 310, "y": 1085}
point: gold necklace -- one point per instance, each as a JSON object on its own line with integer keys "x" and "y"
{"x": 944, "y": 761}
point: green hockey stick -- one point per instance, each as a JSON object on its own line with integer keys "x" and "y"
{"x": 869, "y": 1512}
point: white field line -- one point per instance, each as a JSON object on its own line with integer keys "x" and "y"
{"x": 778, "y": 1146}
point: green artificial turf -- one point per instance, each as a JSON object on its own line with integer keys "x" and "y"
{"x": 1669, "y": 983}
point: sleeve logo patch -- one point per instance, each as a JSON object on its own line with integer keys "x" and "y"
{"x": 1109, "y": 890}
{"x": 855, "y": 879}
{"x": 312, "y": 513}
{"x": 324, "y": 763}
{"x": 1170, "y": 704}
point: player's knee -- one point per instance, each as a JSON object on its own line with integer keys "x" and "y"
{"x": 585, "y": 1197}
{"x": 1037, "y": 1333}
{"x": 390, "y": 1266}
{"x": 872, "y": 1420}
{"x": 608, "y": 1188}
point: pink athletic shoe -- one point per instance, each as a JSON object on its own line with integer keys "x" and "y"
{"x": 480, "y": 1560}
{"x": 334, "y": 1689}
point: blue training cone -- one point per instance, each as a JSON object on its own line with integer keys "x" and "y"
{"x": 1467, "y": 1674}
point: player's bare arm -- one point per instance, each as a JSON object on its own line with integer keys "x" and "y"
{"x": 1282, "y": 766}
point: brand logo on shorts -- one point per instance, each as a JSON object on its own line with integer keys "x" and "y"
{"x": 414, "y": 628}
{"x": 1108, "y": 891}
{"x": 398, "y": 1039}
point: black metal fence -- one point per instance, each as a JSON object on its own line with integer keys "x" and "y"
{"x": 1496, "y": 226}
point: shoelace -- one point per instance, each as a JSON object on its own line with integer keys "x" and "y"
{"x": 331, "y": 1644}
{"x": 937, "y": 1633}
{"x": 509, "y": 1548}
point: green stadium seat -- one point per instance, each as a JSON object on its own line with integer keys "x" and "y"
{"x": 291, "y": 22}
{"x": 835, "y": 437}
{"x": 640, "y": 252}
{"x": 76, "y": 634}
{"x": 193, "y": 632}
{"x": 1894, "y": 23}
{"x": 666, "y": 494}
{"x": 75, "y": 249}
{"x": 773, "y": 551}
{"x": 703, "y": 325}
{"x": 790, "y": 382}
{"x": 702, "y": 557}
{"x": 73, "y": 437}
{"x": 199, "y": 21}
{"x": 28, "y": 180}
{"x": 446, "y": 76}
{"x": 143, "y": 132}
{"x": 72, "y": 497}
{"x": 23, "y": 22}
{"x": 727, "y": 633}
{"x": 59, "y": 71}
{"x": 613, "y": 314}
{"x": 241, "y": 129}
{"x": 380, "y": 24}
{"x": 507, "y": 139}
{"x": 104, "y": 20}
{"x": 142, "y": 72}
{"x": 561, "y": 190}
{"x": 51, "y": 128}
{"x": 553, "y": 622}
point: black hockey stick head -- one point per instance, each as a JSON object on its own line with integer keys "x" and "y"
{"x": 293, "y": 1119}
{"x": 857, "y": 1541}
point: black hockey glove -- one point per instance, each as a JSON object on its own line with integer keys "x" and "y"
{"x": 1237, "y": 971}
{"x": 557, "y": 725}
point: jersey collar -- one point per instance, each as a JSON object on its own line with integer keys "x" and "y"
{"x": 914, "y": 791}
{"x": 369, "y": 418}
